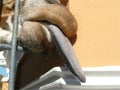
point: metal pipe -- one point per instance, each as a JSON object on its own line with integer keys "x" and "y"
{"x": 8, "y": 47}
{"x": 13, "y": 65}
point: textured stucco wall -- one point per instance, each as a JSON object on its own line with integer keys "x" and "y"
{"x": 98, "y": 36}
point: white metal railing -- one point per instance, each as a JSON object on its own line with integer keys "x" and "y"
{"x": 60, "y": 78}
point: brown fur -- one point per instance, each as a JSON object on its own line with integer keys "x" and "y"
{"x": 9, "y": 3}
{"x": 35, "y": 14}
{"x": 55, "y": 14}
{"x": 32, "y": 36}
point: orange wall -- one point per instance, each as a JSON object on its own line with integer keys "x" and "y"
{"x": 98, "y": 35}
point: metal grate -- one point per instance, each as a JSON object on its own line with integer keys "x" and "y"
{"x": 13, "y": 47}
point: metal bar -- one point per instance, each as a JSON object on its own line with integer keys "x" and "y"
{"x": 13, "y": 65}
{"x": 8, "y": 47}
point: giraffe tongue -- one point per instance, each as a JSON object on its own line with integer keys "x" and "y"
{"x": 64, "y": 48}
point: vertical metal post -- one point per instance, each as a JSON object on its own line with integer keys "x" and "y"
{"x": 13, "y": 65}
